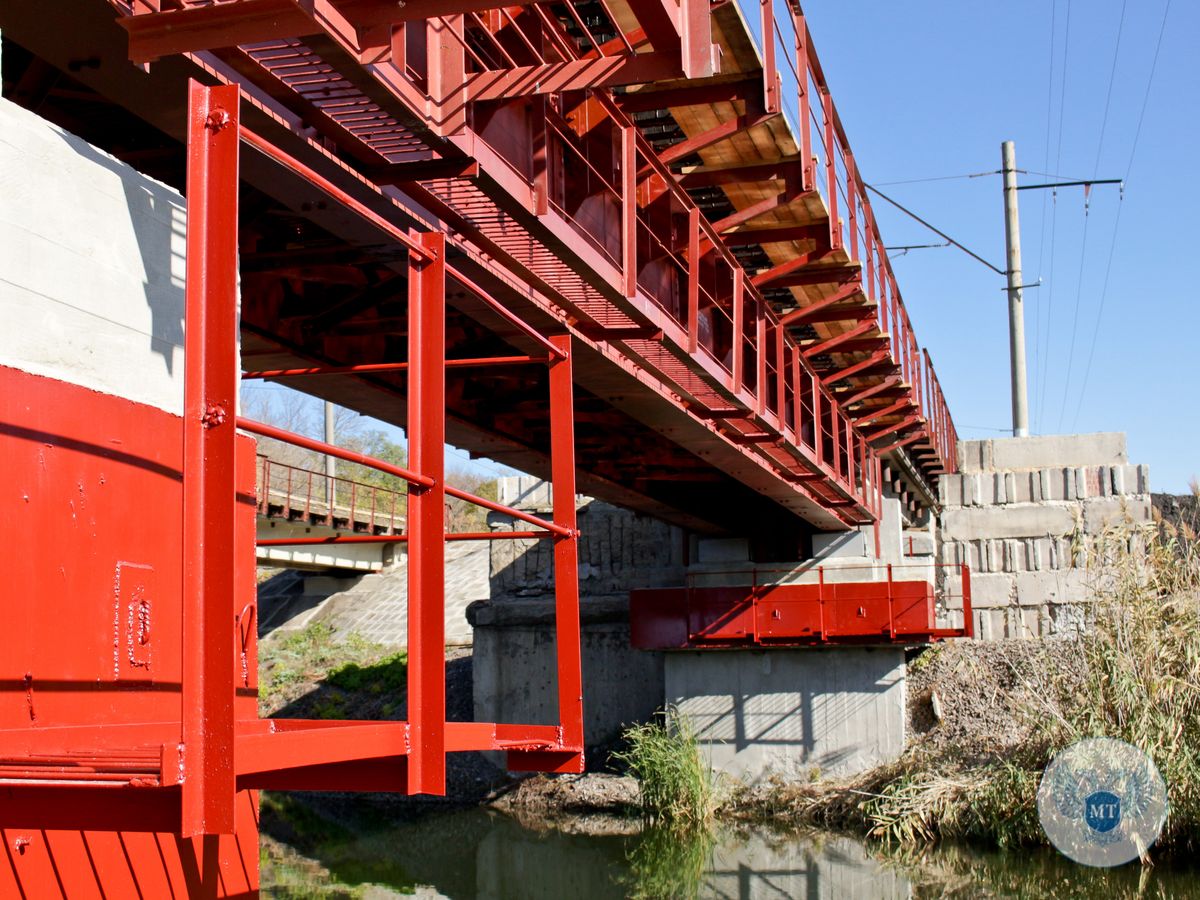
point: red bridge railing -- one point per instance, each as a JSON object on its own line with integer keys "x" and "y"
{"x": 901, "y": 604}
{"x": 293, "y": 492}
{"x": 809, "y": 107}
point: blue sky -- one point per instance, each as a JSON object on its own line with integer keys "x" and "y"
{"x": 930, "y": 89}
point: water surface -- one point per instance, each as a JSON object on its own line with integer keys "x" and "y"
{"x": 370, "y": 852}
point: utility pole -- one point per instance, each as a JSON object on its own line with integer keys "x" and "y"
{"x": 330, "y": 462}
{"x": 1016, "y": 302}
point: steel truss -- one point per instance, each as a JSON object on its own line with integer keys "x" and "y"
{"x": 402, "y": 115}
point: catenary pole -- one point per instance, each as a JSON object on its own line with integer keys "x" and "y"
{"x": 1016, "y": 302}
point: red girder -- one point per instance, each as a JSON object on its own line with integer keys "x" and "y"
{"x": 663, "y": 25}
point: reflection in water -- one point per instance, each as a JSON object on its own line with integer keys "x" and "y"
{"x": 351, "y": 852}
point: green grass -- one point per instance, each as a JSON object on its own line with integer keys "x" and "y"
{"x": 337, "y": 676}
{"x": 675, "y": 783}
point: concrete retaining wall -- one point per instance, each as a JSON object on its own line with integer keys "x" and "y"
{"x": 516, "y": 677}
{"x": 619, "y": 550}
{"x": 375, "y": 606}
{"x": 1024, "y": 514}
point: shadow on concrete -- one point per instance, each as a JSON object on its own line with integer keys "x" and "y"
{"x": 158, "y": 218}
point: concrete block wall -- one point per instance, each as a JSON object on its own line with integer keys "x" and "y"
{"x": 1025, "y": 513}
{"x": 619, "y": 550}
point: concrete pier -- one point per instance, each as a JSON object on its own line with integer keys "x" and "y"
{"x": 795, "y": 714}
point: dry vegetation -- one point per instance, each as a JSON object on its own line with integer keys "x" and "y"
{"x": 1008, "y": 707}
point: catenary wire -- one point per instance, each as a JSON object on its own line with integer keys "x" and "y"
{"x": 1116, "y": 225}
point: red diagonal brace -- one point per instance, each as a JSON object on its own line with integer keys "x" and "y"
{"x": 836, "y": 340}
{"x": 756, "y": 209}
{"x": 775, "y": 273}
{"x": 894, "y": 427}
{"x": 872, "y": 415}
{"x": 706, "y": 139}
{"x": 886, "y": 385}
{"x": 874, "y": 359}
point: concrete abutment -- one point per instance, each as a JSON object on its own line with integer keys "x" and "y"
{"x": 1027, "y": 515}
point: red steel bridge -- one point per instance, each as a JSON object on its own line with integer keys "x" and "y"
{"x": 623, "y": 245}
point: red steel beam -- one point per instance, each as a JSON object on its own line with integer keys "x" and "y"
{"x": 874, "y": 359}
{"x": 705, "y": 139}
{"x": 887, "y": 384}
{"x": 893, "y": 428}
{"x": 842, "y": 313}
{"x": 837, "y": 340}
{"x": 402, "y": 538}
{"x": 741, "y": 173}
{"x": 873, "y": 414}
{"x": 687, "y": 95}
{"x": 782, "y": 270}
{"x": 426, "y": 518}
{"x": 754, "y": 210}
{"x": 262, "y": 145}
{"x": 155, "y": 35}
{"x": 776, "y": 235}
{"x": 427, "y": 170}
{"x": 366, "y": 368}
{"x": 209, "y": 486}
{"x": 902, "y": 442}
{"x": 864, "y": 345}
{"x": 572, "y": 75}
{"x": 681, "y": 29}
{"x": 802, "y": 315}
{"x": 695, "y": 35}
{"x": 823, "y": 275}
{"x": 288, "y": 437}
{"x": 370, "y": 13}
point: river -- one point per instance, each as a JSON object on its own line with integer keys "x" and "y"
{"x": 364, "y": 851}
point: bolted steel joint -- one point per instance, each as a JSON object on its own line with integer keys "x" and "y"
{"x": 213, "y": 416}
{"x": 217, "y": 119}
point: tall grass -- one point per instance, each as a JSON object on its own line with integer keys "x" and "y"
{"x": 1143, "y": 664}
{"x": 675, "y": 783}
{"x": 1140, "y": 684}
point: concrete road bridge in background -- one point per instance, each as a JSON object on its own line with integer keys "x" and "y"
{"x": 298, "y": 527}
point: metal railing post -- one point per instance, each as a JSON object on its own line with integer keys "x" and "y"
{"x": 566, "y": 551}
{"x": 426, "y": 518}
{"x": 208, "y": 786}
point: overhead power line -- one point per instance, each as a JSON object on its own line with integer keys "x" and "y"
{"x": 1112, "y": 77}
{"x": 938, "y": 178}
{"x": 934, "y": 229}
{"x": 1117, "y": 224}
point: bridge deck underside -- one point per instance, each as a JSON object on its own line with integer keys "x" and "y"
{"x": 676, "y": 273}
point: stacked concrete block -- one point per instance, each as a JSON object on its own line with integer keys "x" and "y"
{"x": 1024, "y": 514}
{"x": 619, "y": 550}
